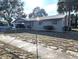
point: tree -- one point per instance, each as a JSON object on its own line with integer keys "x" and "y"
{"x": 60, "y": 7}
{"x": 38, "y": 12}
{"x": 31, "y": 15}
{"x": 43, "y": 12}
{"x": 24, "y": 16}
{"x": 11, "y": 8}
{"x": 75, "y": 5}
{"x": 76, "y": 21}
{"x": 68, "y": 6}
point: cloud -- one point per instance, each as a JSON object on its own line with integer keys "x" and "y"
{"x": 51, "y": 9}
{"x": 31, "y": 4}
{"x": 34, "y": 3}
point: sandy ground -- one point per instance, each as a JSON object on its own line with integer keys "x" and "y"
{"x": 11, "y": 52}
{"x": 51, "y": 44}
{"x": 44, "y": 53}
{"x": 66, "y": 41}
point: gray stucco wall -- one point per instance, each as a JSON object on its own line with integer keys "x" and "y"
{"x": 58, "y": 26}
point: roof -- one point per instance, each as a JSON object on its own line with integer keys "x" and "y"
{"x": 60, "y": 16}
{"x": 20, "y": 20}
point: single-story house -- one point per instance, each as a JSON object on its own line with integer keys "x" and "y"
{"x": 48, "y": 23}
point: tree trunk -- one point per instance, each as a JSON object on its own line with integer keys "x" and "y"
{"x": 69, "y": 21}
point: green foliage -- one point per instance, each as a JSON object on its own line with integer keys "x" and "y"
{"x": 8, "y": 9}
{"x": 38, "y": 12}
{"x": 24, "y": 16}
{"x": 67, "y": 5}
{"x": 74, "y": 21}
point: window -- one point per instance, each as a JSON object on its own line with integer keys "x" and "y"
{"x": 28, "y": 26}
{"x": 49, "y": 27}
{"x": 54, "y": 22}
{"x": 40, "y": 22}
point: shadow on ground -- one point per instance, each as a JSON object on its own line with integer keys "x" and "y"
{"x": 66, "y": 35}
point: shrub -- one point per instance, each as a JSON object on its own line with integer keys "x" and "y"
{"x": 65, "y": 28}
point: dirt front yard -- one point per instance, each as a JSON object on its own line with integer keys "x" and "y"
{"x": 67, "y": 42}
{"x": 11, "y": 52}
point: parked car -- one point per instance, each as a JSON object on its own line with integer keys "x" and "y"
{"x": 4, "y": 26}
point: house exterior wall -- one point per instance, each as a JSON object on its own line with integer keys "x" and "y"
{"x": 57, "y": 26}
{"x": 25, "y": 23}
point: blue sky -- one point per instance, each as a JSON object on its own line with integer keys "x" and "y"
{"x": 49, "y": 5}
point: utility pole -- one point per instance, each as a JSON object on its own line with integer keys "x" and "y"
{"x": 37, "y": 40}
{"x": 37, "y": 44}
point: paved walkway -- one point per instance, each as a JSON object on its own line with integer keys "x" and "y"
{"x": 44, "y": 53}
